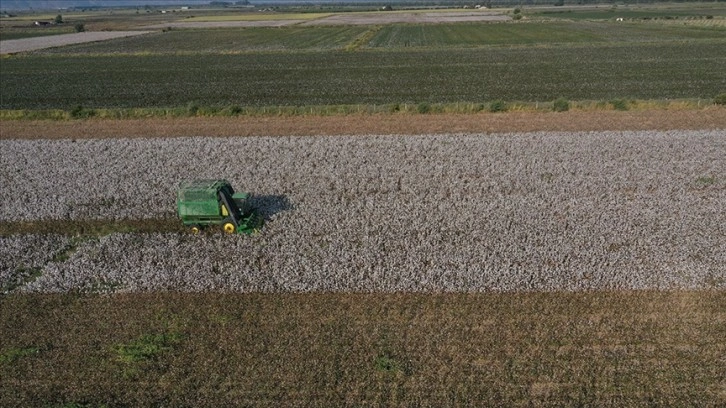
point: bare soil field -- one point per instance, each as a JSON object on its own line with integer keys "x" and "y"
{"x": 348, "y": 19}
{"x": 407, "y": 18}
{"x": 601, "y": 349}
{"x": 37, "y": 43}
{"x": 572, "y": 121}
{"x": 224, "y": 24}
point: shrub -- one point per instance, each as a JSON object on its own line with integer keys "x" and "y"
{"x": 387, "y": 364}
{"x": 561, "y": 105}
{"x": 192, "y": 109}
{"x": 498, "y": 106}
{"x": 619, "y": 104}
{"x": 80, "y": 27}
{"x": 423, "y": 107}
{"x": 79, "y": 112}
{"x": 720, "y": 99}
{"x": 234, "y": 110}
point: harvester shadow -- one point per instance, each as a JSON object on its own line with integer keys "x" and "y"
{"x": 269, "y": 205}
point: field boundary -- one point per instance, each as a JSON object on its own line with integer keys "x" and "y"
{"x": 712, "y": 117}
{"x": 497, "y": 106}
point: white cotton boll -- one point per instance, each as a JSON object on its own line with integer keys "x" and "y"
{"x": 24, "y": 257}
{"x": 510, "y": 212}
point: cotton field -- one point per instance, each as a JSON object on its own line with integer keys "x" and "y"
{"x": 505, "y": 212}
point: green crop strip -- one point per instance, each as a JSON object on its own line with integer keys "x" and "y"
{"x": 632, "y": 71}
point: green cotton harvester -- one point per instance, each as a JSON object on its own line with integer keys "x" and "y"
{"x": 205, "y": 203}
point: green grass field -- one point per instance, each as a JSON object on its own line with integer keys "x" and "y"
{"x": 541, "y": 349}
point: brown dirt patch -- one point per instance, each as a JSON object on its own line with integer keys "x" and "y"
{"x": 37, "y": 43}
{"x": 408, "y": 18}
{"x": 710, "y": 118}
{"x": 224, "y": 24}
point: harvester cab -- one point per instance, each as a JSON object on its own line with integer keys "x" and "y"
{"x": 204, "y": 203}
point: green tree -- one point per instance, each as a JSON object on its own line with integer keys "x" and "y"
{"x": 59, "y": 19}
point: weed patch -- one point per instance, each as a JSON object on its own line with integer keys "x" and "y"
{"x": 561, "y": 105}
{"x": 11, "y": 355}
{"x": 706, "y": 181}
{"x": 620, "y": 104}
{"x": 146, "y": 348}
{"x": 498, "y": 106}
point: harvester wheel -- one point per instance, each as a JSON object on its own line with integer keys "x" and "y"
{"x": 228, "y": 228}
{"x": 195, "y": 230}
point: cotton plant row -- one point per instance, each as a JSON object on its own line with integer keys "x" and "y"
{"x": 137, "y": 178}
{"x": 344, "y": 262}
{"x": 536, "y": 211}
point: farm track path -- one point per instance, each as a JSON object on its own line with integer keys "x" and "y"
{"x": 707, "y": 118}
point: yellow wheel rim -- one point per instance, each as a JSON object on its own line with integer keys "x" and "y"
{"x": 195, "y": 230}
{"x": 229, "y": 228}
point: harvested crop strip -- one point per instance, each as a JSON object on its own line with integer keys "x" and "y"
{"x": 510, "y": 212}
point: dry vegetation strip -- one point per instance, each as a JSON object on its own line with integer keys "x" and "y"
{"x": 710, "y": 118}
{"x": 90, "y": 227}
{"x": 553, "y": 349}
